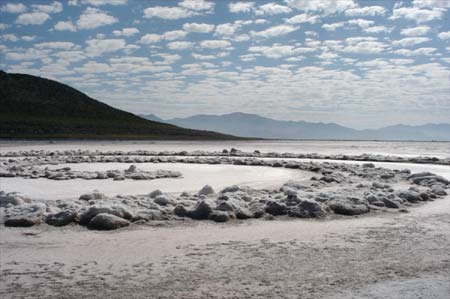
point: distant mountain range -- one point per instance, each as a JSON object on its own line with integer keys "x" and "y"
{"x": 252, "y": 125}
{"x": 37, "y": 108}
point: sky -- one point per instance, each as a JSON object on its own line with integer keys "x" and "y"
{"x": 362, "y": 64}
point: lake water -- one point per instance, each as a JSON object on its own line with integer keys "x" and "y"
{"x": 196, "y": 176}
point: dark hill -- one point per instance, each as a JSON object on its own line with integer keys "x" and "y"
{"x": 36, "y": 108}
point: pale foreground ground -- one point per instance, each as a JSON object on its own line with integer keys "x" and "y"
{"x": 389, "y": 255}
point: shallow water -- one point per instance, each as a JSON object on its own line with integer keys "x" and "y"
{"x": 404, "y": 149}
{"x": 195, "y": 176}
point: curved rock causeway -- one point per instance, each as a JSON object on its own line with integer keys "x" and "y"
{"x": 331, "y": 189}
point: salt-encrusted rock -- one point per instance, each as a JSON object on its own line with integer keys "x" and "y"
{"x": 387, "y": 175}
{"x": 368, "y": 165}
{"x": 131, "y": 169}
{"x": 410, "y": 196}
{"x": 435, "y": 178}
{"x": 348, "y": 206}
{"x": 329, "y": 179}
{"x": 391, "y": 204}
{"x": 116, "y": 210}
{"x": 206, "y": 190}
{"x": 96, "y": 195}
{"x": 26, "y": 215}
{"x": 275, "y": 208}
{"x": 220, "y": 216}
{"x": 62, "y": 218}
{"x": 162, "y": 200}
{"x": 180, "y": 211}
{"x": 155, "y": 193}
{"x": 243, "y": 213}
{"x": 420, "y": 174}
{"x": 201, "y": 211}
{"x": 230, "y": 189}
{"x": 424, "y": 196}
{"x": 439, "y": 191}
{"x": 225, "y": 206}
{"x": 11, "y": 199}
{"x": 307, "y": 209}
{"x": 22, "y": 221}
{"x": 105, "y": 221}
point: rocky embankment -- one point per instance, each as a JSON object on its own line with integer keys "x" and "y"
{"x": 333, "y": 188}
{"x": 66, "y": 173}
{"x": 43, "y": 155}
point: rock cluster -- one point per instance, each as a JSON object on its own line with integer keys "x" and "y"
{"x": 65, "y": 173}
{"x": 128, "y": 155}
{"x": 355, "y": 190}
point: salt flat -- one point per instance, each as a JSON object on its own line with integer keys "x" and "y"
{"x": 337, "y": 256}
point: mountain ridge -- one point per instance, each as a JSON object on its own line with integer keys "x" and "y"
{"x": 256, "y": 126}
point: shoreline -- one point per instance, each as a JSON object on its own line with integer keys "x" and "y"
{"x": 314, "y": 258}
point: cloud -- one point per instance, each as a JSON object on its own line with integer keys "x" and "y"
{"x": 417, "y": 14}
{"x": 71, "y": 56}
{"x": 197, "y": 5}
{"x": 150, "y": 38}
{"x": 416, "y": 52}
{"x": 198, "y": 27}
{"x": 93, "y": 17}
{"x": 102, "y": 2}
{"x": 444, "y": 35}
{"x": 273, "y": 9}
{"x": 274, "y": 31}
{"x": 238, "y": 7}
{"x": 3, "y": 26}
{"x": 28, "y": 38}
{"x": 203, "y": 57}
{"x": 126, "y": 32}
{"x": 33, "y": 18}
{"x": 415, "y": 31}
{"x": 410, "y": 41}
{"x": 98, "y": 47}
{"x": 93, "y": 67}
{"x": 377, "y": 29}
{"x": 303, "y": 18}
{"x": 333, "y": 27}
{"x": 364, "y": 45}
{"x": 9, "y": 37}
{"x": 168, "y": 13}
{"x": 327, "y": 7}
{"x": 215, "y": 44}
{"x": 361, "y": 23}
{"x": 173, "y": 35}
{"x": 55, "y": 45}
{"x": 13, "y": 8}
{"x": 65, "y": 26}
{"x": 365, "y": 11}
{"x": 278, "y": 51}
{"x": 180, "y": 45}
{"x": 227, "y": 28}
{"x": 55, "y": 7}
{"x": 28, "y": 54}
{"x": 431, "y": 3}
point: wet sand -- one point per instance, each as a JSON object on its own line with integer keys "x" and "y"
{"x": 373, "y": 256}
